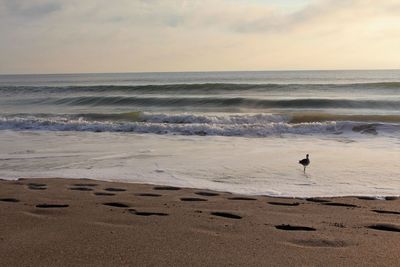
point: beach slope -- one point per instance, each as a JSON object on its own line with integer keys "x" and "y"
{"x": 72, "y": 222}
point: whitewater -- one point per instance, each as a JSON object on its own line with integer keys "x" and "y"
{"x": 241, "y": 132}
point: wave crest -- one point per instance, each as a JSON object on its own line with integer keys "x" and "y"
{"x": 221, "y": 102}
{"x": 197, "y": 87}
{"x": 250, "y": 125}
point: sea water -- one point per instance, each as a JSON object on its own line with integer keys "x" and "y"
{"x": 241, "y": 132}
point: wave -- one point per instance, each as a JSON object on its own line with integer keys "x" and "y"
{"x": 196, "y": 87}
{"x": 221, "y": 102}
{"x": 255, "y": 125}
{"x": 137, "y": 116}
{"x": 322, "y": 117}
{"x": 291, "y": 117}
{"x": 210, "y": 118}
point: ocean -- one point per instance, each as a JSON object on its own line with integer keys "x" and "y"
{"x": 241, "y": 132}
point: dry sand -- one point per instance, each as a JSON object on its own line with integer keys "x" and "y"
{"x": 70, "y": 222}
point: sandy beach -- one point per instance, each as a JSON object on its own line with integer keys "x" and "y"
{"x": 71, "y": 222}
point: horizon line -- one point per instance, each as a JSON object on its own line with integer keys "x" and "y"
{"x": 210, "y": 71}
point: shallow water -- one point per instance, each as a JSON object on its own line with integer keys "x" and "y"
{"x": 265, "y": 166}
{"x": 242, "y": 132}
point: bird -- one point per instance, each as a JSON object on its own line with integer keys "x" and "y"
{"x": 305, "y": 162}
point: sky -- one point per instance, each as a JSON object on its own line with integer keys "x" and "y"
{"x": 74, "y": 36}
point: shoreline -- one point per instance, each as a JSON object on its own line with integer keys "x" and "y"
{"x": 360, "y": 196}
{"x": 58, "y": 221}
{"x": 263, "y": 166}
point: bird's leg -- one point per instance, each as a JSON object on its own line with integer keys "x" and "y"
{"x": 304, "y": 168}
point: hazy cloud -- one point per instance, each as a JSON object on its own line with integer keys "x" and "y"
{"x": 167, "y": 35}
{"x": 29, "y": 8}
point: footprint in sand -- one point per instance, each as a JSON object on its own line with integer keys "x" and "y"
{"x": 288, "y": 227}
{"x": 226, "y": 215}
{"x": 9, "y": 199}
{"x": 147, "y": 213}
{"x": 366, "y": 198}
{"x": 148, "y": 195}
{"x": 242, "y": 198}
{"x": 391, "y": 198}
{"x": 168, "y": 188}
{"x": 116, "y": 204}
{"x": 337, "y": 204}
{"x": 206, "y": 194}
{"x": 90, "y": 185}
{"x": 104, "y": 194}
{"x": 385, "y": 227}
{"x": 192, "y": 199}
{"x": 387, "y": 212}
{"x": 283, "y": 203}
{"x": 317, "y": 200}
{"x": 37, "y": 186}
{"x": 47, "y": 206}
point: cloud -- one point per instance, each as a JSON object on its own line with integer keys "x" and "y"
{"x": 30, "y": 9}
{"x": 167, "y": 35}
{"x": 261, "y": 18}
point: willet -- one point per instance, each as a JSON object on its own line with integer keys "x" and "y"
{"x": 305, "y": 162}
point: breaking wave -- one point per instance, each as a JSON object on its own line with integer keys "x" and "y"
{"x": 250, "y": 125}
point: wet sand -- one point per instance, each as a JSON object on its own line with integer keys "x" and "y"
{"x": 71, "y": 222}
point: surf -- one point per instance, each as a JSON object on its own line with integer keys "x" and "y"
{"x": 240, "y": 125}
